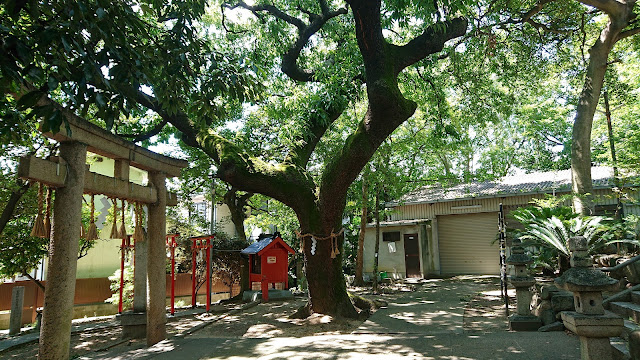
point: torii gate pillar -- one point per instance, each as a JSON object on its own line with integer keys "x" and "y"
{"x": 71, "y": 179}
{"x": 55, "y": 332}
{"x": 156, "y": 262}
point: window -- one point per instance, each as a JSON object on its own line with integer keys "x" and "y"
{"x": 201, "y": 208}
{"x": 391, "y": 236}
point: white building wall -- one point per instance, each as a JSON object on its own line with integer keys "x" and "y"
{"x": 104, "y": 258}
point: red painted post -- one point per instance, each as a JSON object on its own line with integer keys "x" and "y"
{"x": 193, "y": 274}
{"x": 171, "y": 243}
{"x": 264, "y": 286}
{"x": 208, "y": 246}
{"x": 122, "y": 250}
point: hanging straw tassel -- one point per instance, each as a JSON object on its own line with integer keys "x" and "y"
{"x": 47, "y": 215}
{"x": 92, "y": 233}
{"x": 114, "y": 226}
{"x": 38, "y": 226}
{"x": 334, "y": 247}
{"x": 137, "y": 233}
{"x": 83, "y": 232}
{"x": 123, "y": 230}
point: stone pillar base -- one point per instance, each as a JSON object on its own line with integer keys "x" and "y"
{"x": 596, "y": 348}
{"x": 134, "y": 324}
{"x": 524, "y": 323}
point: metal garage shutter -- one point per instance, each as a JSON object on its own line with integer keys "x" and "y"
{"x": 465, "y": 243}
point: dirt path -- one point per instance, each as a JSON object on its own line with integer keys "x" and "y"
{"x": 483, "y": 312}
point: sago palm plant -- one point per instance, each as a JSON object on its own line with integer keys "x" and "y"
{"x": 556, "y": 233}
{"x": 551, "y": 228}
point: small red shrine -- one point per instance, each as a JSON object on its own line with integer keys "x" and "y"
{"x": 269, "y": 262}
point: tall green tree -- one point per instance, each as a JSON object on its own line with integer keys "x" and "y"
{"x": 620, "y": 24}
{"x": 161, "y": 59}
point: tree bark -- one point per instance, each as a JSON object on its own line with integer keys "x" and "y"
{"x": 236, "y": 206}
{"x": 359, "y": 280}
{"x": 325, "y": 279}
{"x": 620, "y": 14}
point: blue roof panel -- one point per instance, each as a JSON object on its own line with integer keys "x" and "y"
{"x": 256, "y": 247}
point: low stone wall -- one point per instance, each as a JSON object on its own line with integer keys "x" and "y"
{"x": 105, "y": 309}
{"x": 548, "y": 302}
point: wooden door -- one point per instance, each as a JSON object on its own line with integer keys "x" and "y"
{"x": 412, "y": 255}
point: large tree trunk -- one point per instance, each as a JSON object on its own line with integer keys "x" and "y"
{"x": 619, "y": 16}
{"x": 319, "y": 203}
{"x": 359, "y": 280}
{"x": 327, "y": 287}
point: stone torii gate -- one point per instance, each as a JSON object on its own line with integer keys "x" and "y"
{"x": 70, "y": 177}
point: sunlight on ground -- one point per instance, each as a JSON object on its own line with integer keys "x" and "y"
{"x": 498, "y": 293}
{"x": 426, "y": 318}
{"x": 262, "y": 330}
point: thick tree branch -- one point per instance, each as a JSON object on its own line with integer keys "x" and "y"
{"x": 36, "y": 281}
{"x": 286, "y": 183}
{"x": 627, "y": 33}
{"x": 430, "y": 41}
{"x": 178, "y": 119}
{"x": 289, "y": 64}
{"x": 14, "y": 199}
{"x": 534, "y": 10}
{"x": 387, "y": 106}
{"x": 147, "y": 134}
{"x": 611, "y": 7}
{"x": 317, "y": 125}
{"x": 271, "y": 10}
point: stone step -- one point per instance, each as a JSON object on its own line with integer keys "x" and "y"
{"x": 629, "y": 327}
{"x": 619, "y": 348}
{"x": 635, "y": 297}
{"x": 626, "y": 310}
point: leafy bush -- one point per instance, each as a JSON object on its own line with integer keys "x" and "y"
{"x": 127, "y": 293}
{"x": 548, "y": 226}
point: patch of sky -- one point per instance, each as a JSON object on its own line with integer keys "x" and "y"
{"x": 168, "y": 148}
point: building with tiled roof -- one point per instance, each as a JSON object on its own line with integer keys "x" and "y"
{"x": 440, "y": 231}
{"x": 523, "y": 184}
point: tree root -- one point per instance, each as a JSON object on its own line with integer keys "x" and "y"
{"x": 303, "y": 312}
{"x": 364, "y": 307}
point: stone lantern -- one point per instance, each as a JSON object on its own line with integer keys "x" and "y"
{"x": 522, "y": 320}
{"x": 590, "y": 321}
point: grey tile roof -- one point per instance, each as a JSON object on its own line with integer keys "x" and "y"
{"x": 533, "y": 183}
